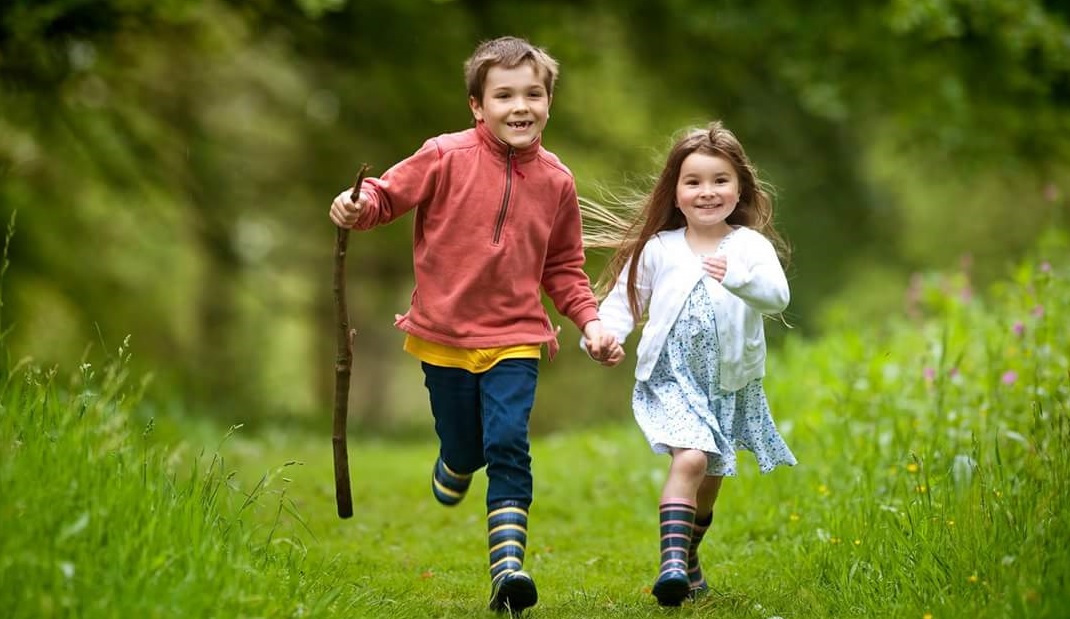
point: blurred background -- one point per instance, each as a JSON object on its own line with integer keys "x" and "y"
{"x": 171, "y": 162}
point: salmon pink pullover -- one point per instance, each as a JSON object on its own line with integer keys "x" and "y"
{"x": 493, "y": 224}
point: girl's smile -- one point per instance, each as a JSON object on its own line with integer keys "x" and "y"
{"x": 707, "y": 191}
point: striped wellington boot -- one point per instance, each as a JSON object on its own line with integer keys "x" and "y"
{"x": 512, "y": 589}
{"x": 694, "y": 569}
{"x": 448, "y": 486}
{"x": 677, "y": 518}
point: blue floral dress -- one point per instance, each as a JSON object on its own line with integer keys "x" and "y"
{"x": 682, "y": 404}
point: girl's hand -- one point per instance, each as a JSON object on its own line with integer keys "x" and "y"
{"x": 613, "y": 355}
{"x": 601, "y": 346}
{"x": 344, "y": 211}
{"x": 715, "y": 266}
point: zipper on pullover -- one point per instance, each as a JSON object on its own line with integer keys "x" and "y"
{"x": 510, "y": 165}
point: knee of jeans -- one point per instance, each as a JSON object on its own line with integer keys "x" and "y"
{"x": 511, "y": 443}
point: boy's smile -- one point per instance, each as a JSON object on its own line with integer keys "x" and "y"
{"x": 515, "y": 104}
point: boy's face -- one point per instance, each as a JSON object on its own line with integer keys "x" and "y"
{"x": 515, "y": 104}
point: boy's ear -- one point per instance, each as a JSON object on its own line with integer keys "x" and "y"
{"x": 477, "y": 108}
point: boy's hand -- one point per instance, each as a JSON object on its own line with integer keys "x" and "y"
{"x": 715, "y": 267}
{"x": 344, "y": 211}
{"x": 602, "y": 346}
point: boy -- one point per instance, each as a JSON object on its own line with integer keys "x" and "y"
{"x": 496, "y": 219}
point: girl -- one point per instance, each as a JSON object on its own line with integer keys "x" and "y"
{"x": 702, "y": 261}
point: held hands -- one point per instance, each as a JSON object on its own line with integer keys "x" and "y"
{"x": 715, "y": 266}
{"x": 602, "y": 346}
{"x": 344, "y": 211}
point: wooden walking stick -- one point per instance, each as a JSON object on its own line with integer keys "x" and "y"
{"x": 343, "y": 367}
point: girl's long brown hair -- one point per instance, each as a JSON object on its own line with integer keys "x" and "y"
{"x": 643, "y": 216}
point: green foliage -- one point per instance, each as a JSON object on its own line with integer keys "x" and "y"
{"x": 172, "y": 161}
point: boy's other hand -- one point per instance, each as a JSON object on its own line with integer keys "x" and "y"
{"x": 344, "y": 211}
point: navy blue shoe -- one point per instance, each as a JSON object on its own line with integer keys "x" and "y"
{"x": 512, "y": 592}
{"x": 672, "y": 587}
{"x": 449, "y": 487}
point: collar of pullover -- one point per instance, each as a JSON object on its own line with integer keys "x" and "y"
{"x": 491, "y": 141}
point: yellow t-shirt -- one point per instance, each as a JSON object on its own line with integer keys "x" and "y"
{"x": 474, "y": 360}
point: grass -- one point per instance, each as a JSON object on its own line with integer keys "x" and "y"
{"x": 934, "y": 481}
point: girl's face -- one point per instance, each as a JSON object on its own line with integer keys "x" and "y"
{"x": 515, "y": 104}
{"x": 707, "y": 191}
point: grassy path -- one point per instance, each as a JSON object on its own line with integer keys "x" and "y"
{"x": 593, "y": 537}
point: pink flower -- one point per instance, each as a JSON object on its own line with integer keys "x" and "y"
{"x": 1045, "y": 267}
{"x": 1019, "y": 328}
{"x": 1038, "y": 311}
{"x": 929, "y": 374}
{"x": 1009, "y": 377}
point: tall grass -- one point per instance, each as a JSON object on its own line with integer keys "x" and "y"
{"x": 97, "y": 520}
{"x": 937, "y": 476}
{"x": 934, "y": 482}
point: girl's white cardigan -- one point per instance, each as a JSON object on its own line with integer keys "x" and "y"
{"x": 668, "y": 271}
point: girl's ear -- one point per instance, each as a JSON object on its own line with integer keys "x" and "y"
{"x": 477, "y": 108}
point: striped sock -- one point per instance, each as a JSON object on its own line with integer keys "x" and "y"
{"x": 448, "y": 486}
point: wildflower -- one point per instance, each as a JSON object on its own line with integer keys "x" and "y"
{"x": 950, "y": 523}
{"x": 929, "y": 374}
{"x": 794, "y": 517}
{"x": 912, "y": 467}
{"x": 1038, "y": 311}
{"x": 1009, "y": 377}
{"x": 1045, "y": 267}
{"x": 858, "y": 542}
{"x": 921, "y": 489}
{"x": 823, "y": 490}
{"x": 1019, "y": 328}
{"x": 927, "y": 616}
{"x": 972, "y": 578}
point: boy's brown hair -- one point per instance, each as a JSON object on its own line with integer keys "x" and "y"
{"x": 507, "y": 52}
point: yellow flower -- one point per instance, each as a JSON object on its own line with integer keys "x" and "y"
{"x": 921, "y": 489}
{"x": 823, "y": 489}
{"x": 858, "y": 542}
{"x": 950, "y": 523}
{"x": 912, "y": 467}
{"x": 794, "y": 517}
{"x": 972, "y": 578}
{"x": 927, "y": 616}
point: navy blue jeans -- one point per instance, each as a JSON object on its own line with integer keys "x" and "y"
{"x": 482, "y": 420}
